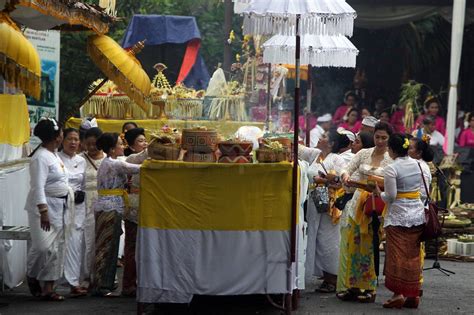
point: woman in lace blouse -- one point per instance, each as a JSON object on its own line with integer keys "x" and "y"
{"x": 323, "y": 227}
{"x": 111, "y": 202}
{"x": 403, "y": 223}
{"x": 357, "y": 278}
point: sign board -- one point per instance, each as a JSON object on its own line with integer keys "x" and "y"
{"x": 48, "y": 45}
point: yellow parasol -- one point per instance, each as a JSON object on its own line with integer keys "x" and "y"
{"x": 19, "y": 61}
{"x": 121, "y": 67}
{"x": 292, "y": 72}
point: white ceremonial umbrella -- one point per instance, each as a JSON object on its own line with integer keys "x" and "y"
{"x": 296, "y": 17}
{"x": 316, "y": 50}
{"x": 318, "y": 17}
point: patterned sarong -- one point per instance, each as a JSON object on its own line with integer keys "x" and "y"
{"x": 107, "y": 239}
{"x": 402, "y": 262}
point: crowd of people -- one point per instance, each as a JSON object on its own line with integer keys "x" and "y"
{"x": 82, "y": 191}
{"x": 347, "y": 219}
{"x": 350, "y": 116}
{"x": 85, "y": 187}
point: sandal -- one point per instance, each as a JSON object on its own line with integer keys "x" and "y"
{"x": 412, "y": 302}
{"x": 326, "y": 287}
{"x": 52, "y": 297}
{"x": 104, "y": 293}
{"x": 394, "y": 303}
{"x": 78, "y": 292}
{"x": 34, "y": 286}
{"x": 349, "y": 295}
{"x": 367, "y": 297}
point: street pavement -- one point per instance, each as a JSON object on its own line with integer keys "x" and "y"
{"x": 442, "y": 295}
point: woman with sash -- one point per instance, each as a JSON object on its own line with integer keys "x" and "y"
{"x": 403, "y": 223}
{"x": 94, "y": 158}
{"x": 47, "y": 204}
{"x": 111, "y": 202}
{"x": 357, "y": 279}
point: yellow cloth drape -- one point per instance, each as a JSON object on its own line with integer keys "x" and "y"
{"x": 360, "y": 218}
{"x": 225, "y": 197}
{"x": 225, "y": 128}
{"x": 14, "y": 125}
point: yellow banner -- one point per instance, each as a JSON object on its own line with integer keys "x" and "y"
{"x": 225, "y": 128}
{"x": 15, "y": 125}
{"x": 227, "y": 197}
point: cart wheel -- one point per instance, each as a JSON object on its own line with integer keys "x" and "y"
{"x": 288, "y": 303}
{"x": 295, "y": 299}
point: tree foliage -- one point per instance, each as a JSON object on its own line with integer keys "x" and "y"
{"x": 78, "y": 71}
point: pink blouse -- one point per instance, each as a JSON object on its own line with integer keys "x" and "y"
{"x": 397, "y": 121}
{"x": 340, "y": 113}
{"x": 466, "y": 139}
{"x": 354, "y": 129}
{"x": 440, "y": 123}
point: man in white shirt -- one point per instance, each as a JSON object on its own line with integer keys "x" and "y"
{"x": 323, "y": 126}
{"x": 429, "y": 129}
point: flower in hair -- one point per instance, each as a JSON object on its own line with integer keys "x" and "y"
{"x": 406, "y": 144}
{"x": 425, "y": 138}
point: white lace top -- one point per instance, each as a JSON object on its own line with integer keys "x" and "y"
{"x": 359, "y": 169}
{"x": 112, "y": 174}
{"x": 427, "y": 174}
{"x": 403, "y": 175}
{"x": 91, "y": 179}
{"x": 133, "y": 196}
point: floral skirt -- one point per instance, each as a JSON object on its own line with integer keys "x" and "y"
{"x": 356, "y": 259}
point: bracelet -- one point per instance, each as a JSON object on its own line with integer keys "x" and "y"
{"x": 43, "y": 210}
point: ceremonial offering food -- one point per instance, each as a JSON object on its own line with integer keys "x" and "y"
{"x": 164, "y": 151}
{"x": 265, "y": 155}
{"x": 199, "y": 140}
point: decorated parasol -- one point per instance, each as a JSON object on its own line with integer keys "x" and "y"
{"x": 121, "y": 67}
{"x": 320, "y": 51}
{"x": 49, "y": 14}
{"x": 19, "y": 61}
{"x": 297, "y": 17}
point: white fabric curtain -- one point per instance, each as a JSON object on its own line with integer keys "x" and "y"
{"x": 457, "y": 31}
{"x": 14, "y": 186}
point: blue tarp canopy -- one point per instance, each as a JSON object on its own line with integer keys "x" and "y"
{"x": 167, "y": 39}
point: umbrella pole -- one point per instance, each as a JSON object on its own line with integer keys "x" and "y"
{"x": 269, "y": 98}
{"x": 309, "y": 95}
{"x": 296, "y": 128}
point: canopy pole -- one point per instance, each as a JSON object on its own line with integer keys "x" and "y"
{"x": 296, "y": 128}
{"x": 457, "y": 30}
{"x": 269, "y": 98}
{"x": 309, "y": 94}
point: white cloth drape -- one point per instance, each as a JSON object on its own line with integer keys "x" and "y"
{"x": 14, "y": 187}
{"x": 459, "y": 8}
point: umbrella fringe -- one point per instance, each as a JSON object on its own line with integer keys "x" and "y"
{"x": 345, "y": 58}
{"x": 120, "y": 80}
{"x": 20, "y": 77}
{"x": 316, "y": 24}
{"x": 82, "y": 15}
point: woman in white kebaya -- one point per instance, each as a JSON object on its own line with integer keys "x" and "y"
{"x": 47, "y": 204}
{"x": 75, "y": 250}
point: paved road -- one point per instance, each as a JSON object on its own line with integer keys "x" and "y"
{"x": 443, "y": 295}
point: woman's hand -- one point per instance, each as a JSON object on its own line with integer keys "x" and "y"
{"x": 45, "y": 222}
{"x": 345, "y": 178}
{"x": 377, "y": 192}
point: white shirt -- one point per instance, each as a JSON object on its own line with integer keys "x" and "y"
{"x": 48, "y": 178}
{"x": 315, "y": 134}
{"x": 347, "y": 156}
{"x": 76, "y": 167}
{"x": 137, "y": 158}
{"x": 403, "y": 175}
{"x": 332, "y": 162}
{"x": 307, "y": 154}
{"x": 112, "y": 174}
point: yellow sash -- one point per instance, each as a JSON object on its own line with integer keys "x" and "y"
{"x": 409, "y": 195}
{"x": 116, "y": 192}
